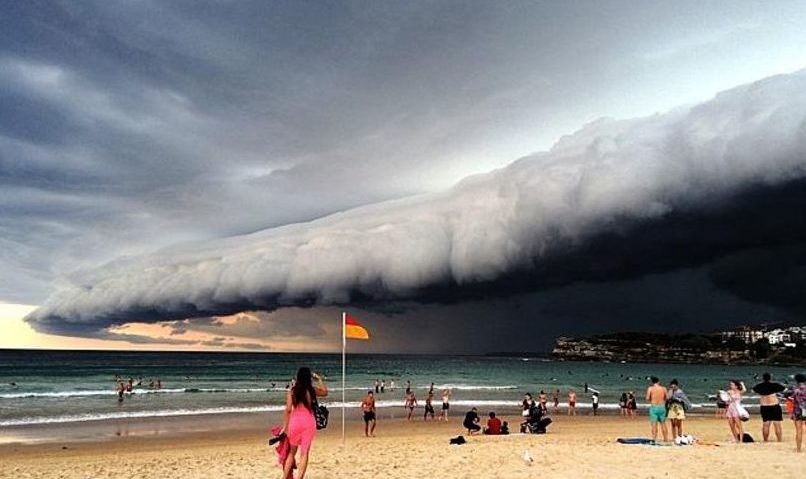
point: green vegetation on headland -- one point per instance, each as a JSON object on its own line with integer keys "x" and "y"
{"x": 677, "y": 348}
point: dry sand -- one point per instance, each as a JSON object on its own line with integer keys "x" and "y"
{"x": 582, "y": 447}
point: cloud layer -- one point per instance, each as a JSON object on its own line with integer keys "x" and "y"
{"x": 548, "y": 219}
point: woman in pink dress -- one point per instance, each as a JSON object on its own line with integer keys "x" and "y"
{"x": 299, "y": 423}
{"x": 735, "y": 390}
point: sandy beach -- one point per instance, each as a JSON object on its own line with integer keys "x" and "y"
{"x": 580, "y": 447}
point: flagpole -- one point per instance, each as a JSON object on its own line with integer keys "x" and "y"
{"x": 343, "y": 369}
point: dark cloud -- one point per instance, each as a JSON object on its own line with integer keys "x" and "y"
{"x": 616, "y": 200}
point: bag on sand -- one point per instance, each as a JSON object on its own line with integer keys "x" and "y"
{"x": 747, "y": 438}
{"x": 458, "y": 440}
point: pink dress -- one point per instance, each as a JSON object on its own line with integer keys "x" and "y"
{"x": 733, "y": 405}
{"x": 301, "y": 428}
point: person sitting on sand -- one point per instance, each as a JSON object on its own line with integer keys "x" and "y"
{"x": 368, "y": 408}
{"x": 411, "y": 403}
{"x": 471, "y": 421}
{"x": 771, "y": 412}
{"x": 493, "y": 425}
{"x": 504, "y": 428}
{"x": 572, "y": 403}
{"x": 656, "y": 395}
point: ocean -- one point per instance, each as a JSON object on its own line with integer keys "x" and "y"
{"x": 50, "y": 387}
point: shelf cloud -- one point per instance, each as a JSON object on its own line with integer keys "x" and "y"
{"x": 616, "y": 199}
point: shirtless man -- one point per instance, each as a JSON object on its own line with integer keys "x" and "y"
{"x": 368, "y": 408}
{"x": 656, "y": 395}
{"x": 572, "y": 403}
{"x": 446, "y": 404}
{"x": 429, "y": 407}
{"x": 771, "y": 411}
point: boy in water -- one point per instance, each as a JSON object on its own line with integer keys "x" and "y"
{"x": 368, "y": 408}
{"x": 656, "y": 395}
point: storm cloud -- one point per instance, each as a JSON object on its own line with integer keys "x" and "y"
{"x": 615, "y": 200}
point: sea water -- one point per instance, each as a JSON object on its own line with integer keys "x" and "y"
{"x": 47, "y": 387}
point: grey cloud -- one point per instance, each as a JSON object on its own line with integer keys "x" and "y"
{"x": 126, "y": 127}
{"x": 607, "y": 183}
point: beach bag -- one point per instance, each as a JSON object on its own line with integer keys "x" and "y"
{"x": 321, "y": 414}
{"x": 744, "y": 414}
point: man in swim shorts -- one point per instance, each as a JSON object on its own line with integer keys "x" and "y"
{"x": 656, "y": 395}
{"x": 771, "y": 412}
{"x": 368, "y": 407}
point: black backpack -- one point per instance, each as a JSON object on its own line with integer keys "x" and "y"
{"x": 321, "y": 414}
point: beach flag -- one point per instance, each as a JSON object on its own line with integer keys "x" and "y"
{"x": 350, "y": 329}
{"x": 353, "y": 330}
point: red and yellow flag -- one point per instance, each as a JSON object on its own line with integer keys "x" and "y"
{"x": 353, "y": 330}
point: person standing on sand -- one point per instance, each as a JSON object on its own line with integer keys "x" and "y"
{"x": 377, "y": 386}
{"x": 446, "y": 404}
{"x": 734, "y": 411}
{"x": 595, "y": 403}
{"x": 572, "y": 403}
{"x": 656, "y": 395}
{"x": 632, "y": 404}
{"x": 798, "y": 396}
{"x": 299, "y": 423}
{"x": 392, "y": 386}
{"x": 556, "y": 400}
{"x": 411, "y": 403}
{"x": 429, "y": 407}
{"x": 678, "y": 405}
{"x": 622, "y": 402}
{"x": 383, "y": 386}
{"x": 368, "y": 408}
{"x": 771, "y": 412}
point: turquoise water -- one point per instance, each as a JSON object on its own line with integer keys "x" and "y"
{"x": 62, "y": 386}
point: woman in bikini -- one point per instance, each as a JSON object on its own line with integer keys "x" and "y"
{"x": 299, "y": 423}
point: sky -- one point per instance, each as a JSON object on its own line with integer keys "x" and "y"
{"x": 231, "y": 175}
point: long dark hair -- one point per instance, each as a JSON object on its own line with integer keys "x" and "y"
{"x": 303, "y": 392}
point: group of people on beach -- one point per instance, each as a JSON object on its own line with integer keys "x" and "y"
{"x": 672, "y": 404}
{"x": 299, "y": 420}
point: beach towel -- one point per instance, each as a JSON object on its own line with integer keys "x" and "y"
{"x": 282, "y": 448}
{"x": 634, "y": 440}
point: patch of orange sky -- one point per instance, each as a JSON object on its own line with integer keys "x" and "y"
{"x": 17, "y": 334}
